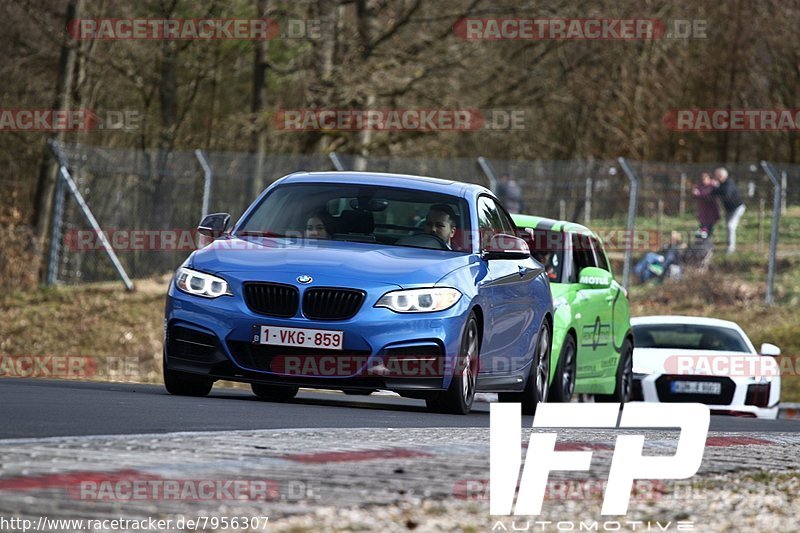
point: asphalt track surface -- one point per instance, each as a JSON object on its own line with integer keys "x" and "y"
{"x": 33, "y": 408}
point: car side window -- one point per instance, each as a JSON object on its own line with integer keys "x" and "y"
{"x": 547, "y": 247}
{"x": 599, "y": 255}
{"x": 582, "y": 253}
{"x": 509, "y": 228}
{"x": 489, "y": 220}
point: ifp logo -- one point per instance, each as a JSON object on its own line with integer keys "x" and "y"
{"x": 627, "y": 463}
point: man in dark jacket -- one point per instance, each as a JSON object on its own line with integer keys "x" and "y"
{"x": 732, "y": 202}
{"x": 510, "y": 194}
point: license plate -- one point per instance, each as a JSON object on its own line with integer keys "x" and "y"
{"x": 322, "y": 339}
{"x": 696, "y": 387}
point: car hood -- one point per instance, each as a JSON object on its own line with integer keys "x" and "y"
{"x": 701, "y": 362}
{"x": 377, "y": 263}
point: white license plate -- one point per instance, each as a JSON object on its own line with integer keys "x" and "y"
{"x": 696, "y": 387}
{"x": 323, "y": 339}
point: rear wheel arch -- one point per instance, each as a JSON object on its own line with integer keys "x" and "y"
{"x": 627, "y": 337}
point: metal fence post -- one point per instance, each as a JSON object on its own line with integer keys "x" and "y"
{"x": 761, "y": 209}
{"x": 57, "y": 222}
{"x": 632, "y": 205}
{"x": 660, "y": 222}
{"x": 587, "y": 202}
{"x": 682, "y": 201}
{"x": 337, "y": 163}
{"x": 488, "y": 171}
{"x": 208, "y": 175}
{"x": 783, "y": 192}
{"x": 773, "y": 237}
{"x": 87, "y": 213}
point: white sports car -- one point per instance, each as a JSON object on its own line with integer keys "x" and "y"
{"x": 705, "y": 360}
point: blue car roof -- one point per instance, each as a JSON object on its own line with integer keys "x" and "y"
{"x": 437, "y": 185}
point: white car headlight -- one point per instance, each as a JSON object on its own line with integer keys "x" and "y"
{"x": 420, "y": 300}
{"x": 201, "y": 284}
{"x": 642, "y": 370}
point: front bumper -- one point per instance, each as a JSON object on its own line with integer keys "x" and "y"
{"x": 738, "y": 396}
{"x": 381, "y": 349}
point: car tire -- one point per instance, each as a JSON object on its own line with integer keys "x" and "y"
{"x": 458, "y": 398}
{"x": 537, "y": 386}
{"x": 563, "y": 386}
{"x": 185, "y": 384}
{"x": 624, "y": 379}
{"x": 274, "y": 393}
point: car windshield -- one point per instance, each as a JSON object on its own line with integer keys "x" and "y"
{"x": 362, "y": 213}
{"x": 688, "y": 337}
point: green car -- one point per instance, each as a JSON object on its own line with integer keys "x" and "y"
{"x": 591, "y": 331}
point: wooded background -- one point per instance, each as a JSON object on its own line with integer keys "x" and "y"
{"x": 582, "y": 100}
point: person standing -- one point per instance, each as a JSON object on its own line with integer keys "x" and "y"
{"x": 510, "y": 194}
{"x": 707, "y": 207}
{"x": 732, "y": 202}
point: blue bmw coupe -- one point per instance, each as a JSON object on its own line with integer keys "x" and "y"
{"x": 361, "y": 281}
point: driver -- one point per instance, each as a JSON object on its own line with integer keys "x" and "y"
{"x": 441, "y": 221}
{"x": 319, "y": 225}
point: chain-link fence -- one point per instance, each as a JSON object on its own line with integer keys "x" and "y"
{"x": 138, "y": 196}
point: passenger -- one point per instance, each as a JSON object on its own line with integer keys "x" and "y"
{"x": 319, "y": 225}
{"x": 547, "y": 259}
{"x": 441, "y": 221}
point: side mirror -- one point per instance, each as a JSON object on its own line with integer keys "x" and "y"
{"x": 214, "y": 225}
{"x": 595, "y": 277}
{"x": 502, "y": 246}
{"x": 769, "y": 349}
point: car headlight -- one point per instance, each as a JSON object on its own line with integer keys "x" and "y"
{"x": 643, "y": 370}
{"x": 420, "y": 300}
{"x": 201, "y": 284}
